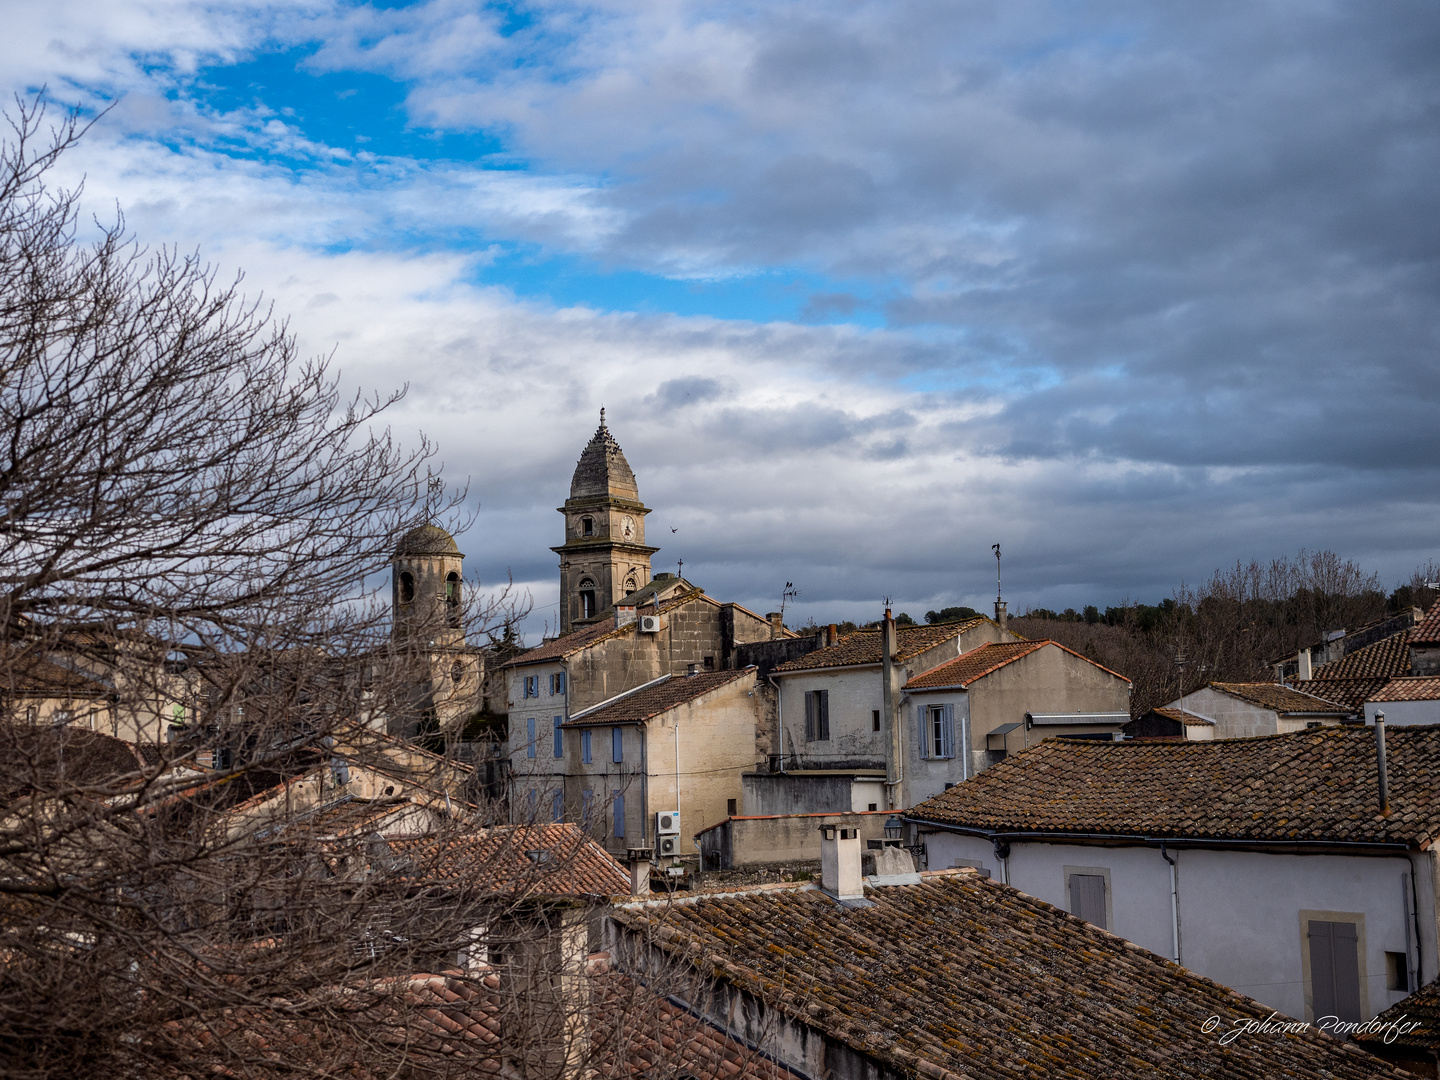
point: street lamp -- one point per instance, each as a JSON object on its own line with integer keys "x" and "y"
{"x": 894, "y": 828}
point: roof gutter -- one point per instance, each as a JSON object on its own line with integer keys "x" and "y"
{"x": 1359, "y": 847}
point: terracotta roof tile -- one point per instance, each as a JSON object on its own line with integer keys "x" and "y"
{"x": 863, "y": 646}
{"x": 1387, "y": 657}
{"x": 1422, "y": 1006}
{"x": 1352, "y": 693}
{"x": 981, "y": 661}
{"x": 1313, "y": 785}
{"x": 1427, "y": 630}
{"x": 1412, "y": 688}
{"x": 533, "y": 860}
{"x": 961, "y": 976}
{"x": 656, "y": 698}
{"x": 1188, "y": 719}
{"x": 1283, "y": 699}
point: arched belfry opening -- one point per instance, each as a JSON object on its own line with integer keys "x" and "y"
{"x": 604, "y": 555}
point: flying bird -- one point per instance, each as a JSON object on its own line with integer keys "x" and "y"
{"x": 674, "y": 529}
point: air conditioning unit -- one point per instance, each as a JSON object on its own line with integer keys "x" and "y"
{"x": 649, "y": 624}
{"x": 668, "y": 845}
{"x": 667, "y": 823}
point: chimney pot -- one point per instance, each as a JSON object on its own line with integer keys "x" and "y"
{"x": 1000, "y": 614}
{"x": 1302, "y": 665}
{"x": 777, "y": 624}
{"x": 834, "y": 635}
{"x": 840, "y": 861}
{"x": 640, "y": 871}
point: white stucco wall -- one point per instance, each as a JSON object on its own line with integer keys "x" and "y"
{"x": 1404, "y": 712}
{"x": 855, "y": 693}
{"x": 1240, "y": 911}
{"x": 1234, "y": 719}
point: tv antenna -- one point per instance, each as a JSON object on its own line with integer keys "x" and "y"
{"x": 996, "y": 548}
{"x": 788, "y": 593}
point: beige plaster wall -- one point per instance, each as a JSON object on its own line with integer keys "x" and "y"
{"x": 1234, "y": 719}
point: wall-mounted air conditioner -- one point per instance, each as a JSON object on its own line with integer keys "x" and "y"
{"x": 667, "y": 823}
{"x": 649, "y": 624}
{"x": 667, "y": 845}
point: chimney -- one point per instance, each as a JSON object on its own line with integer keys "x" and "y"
{"x": 840, "y": 862}
{"x": 1000, "y": 616}
{"x": 639, "y": 871}
{"x": 832, "y": 636}
{"x": 777, "y": 625}
{"x": 890, "y": 695}
{"x": 1302, "y": 665}
{"x": 624, "y": 614}
{"x": 1380, "y": 764}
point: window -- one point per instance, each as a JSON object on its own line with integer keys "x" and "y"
{"x": 585, "y": 746}
{"x": 532, "y": 686}
{"x": 587, "y": 598}
{"x": 557, "y": 683}
{"x": 937, "y": 730}
{"x": 730, "y": 807}
{"x": 407, "y": 587}
{"x": 631, "y": 584}
{"x": 557, "y": 807}
{"x": 709, "y": 663}
{"x": 1087, "y": 898}
{"x": 457, "y": 673}
{"x": 619, "y": 814}
{"x": 874, "y": 719}
{"x": 559, "y": 741}
{"x": 1397, "y": 972}
{"x": 617, "y": 745}
{"x": 530, "y": 737}
{"x": 452, "y": 597}
{"x": 817, "y": 715}
{"x": 872, "y": 807}
{"x": 1334, "y": 969}
{"x": 587, "y": 526}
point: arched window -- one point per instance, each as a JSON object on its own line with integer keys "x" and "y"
{"x": 407, "y": 587}
{"x": 457, "y": 673}
{"x": 587, "y": 598}
{"x": 587, "y": 526}
{"x": 452, "y": 597}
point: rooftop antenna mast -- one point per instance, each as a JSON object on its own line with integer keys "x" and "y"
{"x": 999, "y": 603}
{"x": 788, "y": 593}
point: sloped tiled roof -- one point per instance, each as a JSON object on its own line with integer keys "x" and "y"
{"x": 863, "y": 646}
{"x": 656, "y": 698}
{"x": 590, "y": 635}
{"x": 1315, "y": 785}
{"x": 1388, "y": 657}
{"x": 500, "y": 861}
{"x": 1427, "y": 630}
{"x": 1422, "y": 1008}
{"x": 1352, "y": 693}
{"x": 1183, "y": 717}
{"x": 1283, "y": 699}
{"x": 971, "y": 666}
{"x": 1413, "y": 688}
{"x": 961, "y": 976}
{"x": 28, "y": 675}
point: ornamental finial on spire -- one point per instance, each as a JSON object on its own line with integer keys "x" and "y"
{"x": 602, "y": 416}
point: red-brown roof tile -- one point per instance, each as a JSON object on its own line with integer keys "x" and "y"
{"x": 971, "y": 666}
{"x": 1387, "y": 657}
{"x": 1284, "y": 700}
{"x": 863, "y": 646}
{"x": 1413, "y": 688}
{"x": 1427, "y": 630}
{"x": 1315, "y": 785}
{"x": 961, "y": 976}
{"x": 1351, "y": 693}
{"x": 657, "y": 697}
{"x": 530, "y": 860}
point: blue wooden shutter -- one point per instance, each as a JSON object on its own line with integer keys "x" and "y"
{"x": 619, "y": 814}
{"x": 923, "y": 736}
{"x": 530, "y": 737}
{"x": 585, "y": 746}
{"x": 947, "y": 731}
{"x": 617, "y": 746}
{"x": 557, "y": 806}
{"x": 559, "y": 740}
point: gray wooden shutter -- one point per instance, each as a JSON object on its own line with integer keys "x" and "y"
{"x": 809, "y": 716}
{"x": 824, "y": 714}
{"x": 1087, "y": 898}
{"x": 1334, "y": 970}
{"x": 947, "y": 731}
{"x": 923, "y": 741}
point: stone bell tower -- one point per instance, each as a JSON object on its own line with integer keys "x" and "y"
{"x": 604, "y": 556}
{"x": 426, "y": 581}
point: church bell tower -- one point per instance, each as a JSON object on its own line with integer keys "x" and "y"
{"x": 604, "y": 556}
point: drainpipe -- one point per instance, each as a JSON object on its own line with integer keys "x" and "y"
{"x": 1002, "y": 855}
{"x": 1174, "y": 905}
{"x": 1380, "y": 764}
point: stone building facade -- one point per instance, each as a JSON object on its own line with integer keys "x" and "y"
{"x": 604, "y": 556}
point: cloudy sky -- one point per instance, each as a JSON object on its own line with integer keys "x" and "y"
{"x": 1134, "y": 289}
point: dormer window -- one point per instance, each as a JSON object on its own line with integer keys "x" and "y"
{"x": 587, "y": 526}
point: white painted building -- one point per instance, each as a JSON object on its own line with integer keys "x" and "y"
{"x": 1263, "y": 863}
{"x": 1406, "y": 701}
